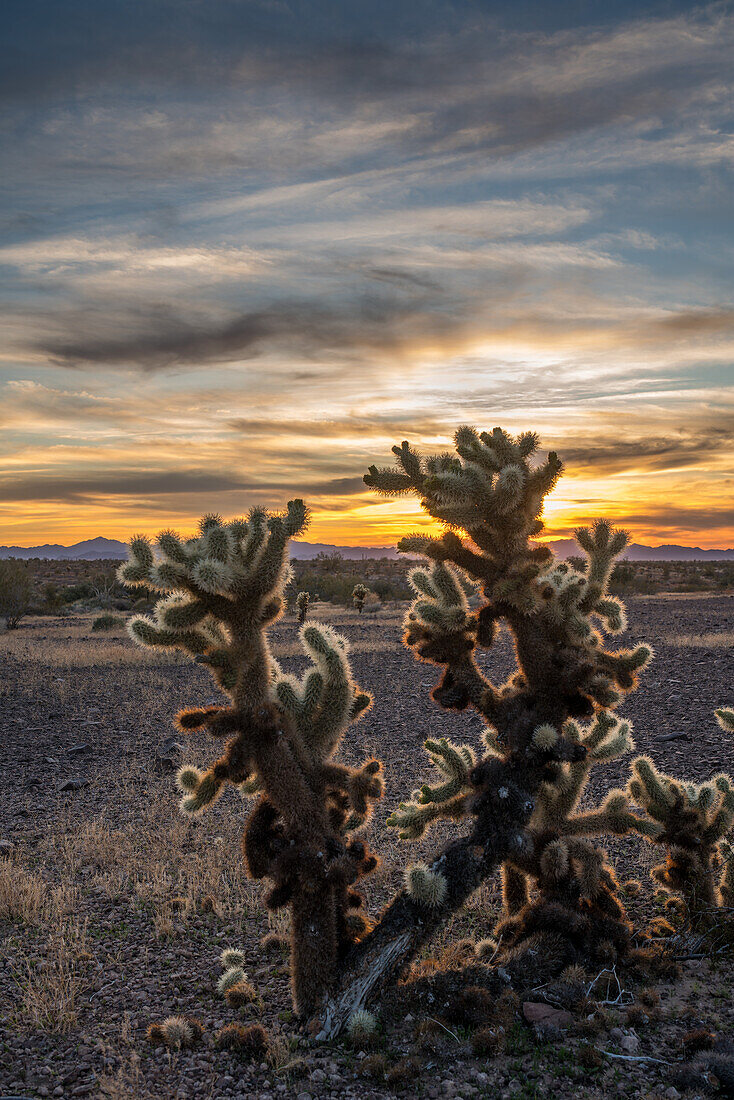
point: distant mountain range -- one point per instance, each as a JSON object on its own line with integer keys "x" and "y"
{"x": 101, "y": 549}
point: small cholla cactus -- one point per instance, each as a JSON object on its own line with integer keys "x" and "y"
{"x": 177, "y": 1032}
{"x": 362, "y": 1029}
{"x": 219, "y": 593}
{"x": 303, "y": 599}
{"x": 558, "y": 615}
{"x": 250, "y": 1041}
{"x": 359, "y": 595}
{"x": 426, "y": 887}
{"x": 692, "y": 821}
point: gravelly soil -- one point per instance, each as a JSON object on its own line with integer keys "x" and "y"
{"x": 114, "y": 909}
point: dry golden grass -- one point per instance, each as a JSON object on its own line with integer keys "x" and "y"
{"x": 48, "y": 992}
{"x": 712, "y": 640}
{"x": 69, "y": 646}
{"x": 22, "y": 894}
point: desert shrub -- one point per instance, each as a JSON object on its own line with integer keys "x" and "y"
{"x": 16, "y": 590}
{"x": 107, "y": 622}
{"x": 544, "y": 728}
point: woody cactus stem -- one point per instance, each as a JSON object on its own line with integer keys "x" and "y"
{"x": 219, "y": 593}
{"x": 489, "y": 492}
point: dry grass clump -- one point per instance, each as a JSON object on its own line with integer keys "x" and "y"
{"x": 22, "y": 894}
{"x": 49, "y": 991}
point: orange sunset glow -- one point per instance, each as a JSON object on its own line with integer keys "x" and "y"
{"x": 229, "y": 293}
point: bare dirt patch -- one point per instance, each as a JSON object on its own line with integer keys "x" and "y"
{"x": 114, "y": 909}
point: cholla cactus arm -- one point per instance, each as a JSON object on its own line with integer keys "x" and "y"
{"x": 446, "y": 800}
{"x": 219, "y": 593}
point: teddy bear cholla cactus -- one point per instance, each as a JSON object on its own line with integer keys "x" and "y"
{"x": 557, "y": 615}
{"x": 489, "y": 492}
{"x": 303, "y": 599}
{"x": 219, "y": 593}
{"x": 359, "y": 595}
{"x": 692, "y": 821}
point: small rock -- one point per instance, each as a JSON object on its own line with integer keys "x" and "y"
{"x": 616, "y": 1033}
{"x": 671, "y": 1093}
{"x": 537, "y": 1013}
{"x": 629, "y": 1044}
{"x": 73, "y": 784}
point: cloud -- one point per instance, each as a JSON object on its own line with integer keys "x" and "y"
{"x": 637, "y": 450}
{"x": 138, "y": 483}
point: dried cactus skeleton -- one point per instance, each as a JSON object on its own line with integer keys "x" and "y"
{"x": 219, "y": 593}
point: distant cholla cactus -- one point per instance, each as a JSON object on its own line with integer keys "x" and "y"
{"x": 219, "y": 592}
{"x": 303, "y": 599}
{"x": 558, "y": 615}
{"x": 359, "y": 595}
{"x": 692, "y": 821}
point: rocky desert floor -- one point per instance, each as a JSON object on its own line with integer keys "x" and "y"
{"x": 114, "y": 908}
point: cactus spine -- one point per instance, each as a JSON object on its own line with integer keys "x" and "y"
{"x": 219, "y": 593}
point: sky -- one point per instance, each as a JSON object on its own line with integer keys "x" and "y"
{"x": 248, "y": 245}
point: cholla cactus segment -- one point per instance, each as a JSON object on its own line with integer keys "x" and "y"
{"x": 325, "y": 700}
{"x": 424, "y": 886}
{"x": 232, "y": 957}
{"x": 725, "y": 718}
{"x": 362, "y": 1028}
{"x": 231, "y": 977}
{"x": 545, "y": 737}
{"x": 219, "y": 591}
{"x": 176, "y": 1032}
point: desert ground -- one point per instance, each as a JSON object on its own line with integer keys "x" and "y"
{"x": 114, "y": 908}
